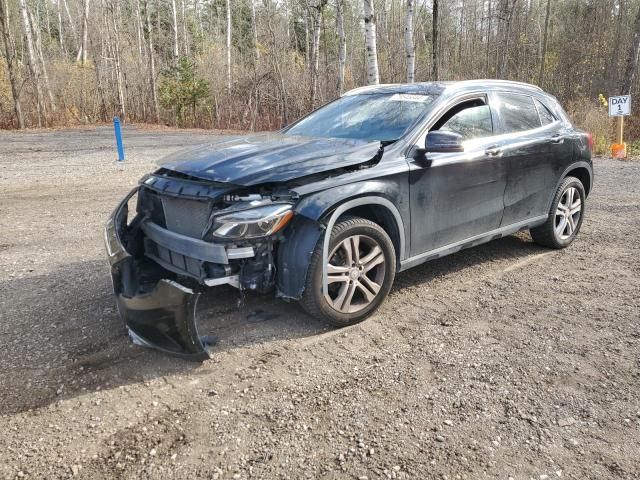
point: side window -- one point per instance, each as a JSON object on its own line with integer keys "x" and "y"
{"x": 546, "y": 117}
{"x": 470, "y": 119}
{"x": 518, "y": 112}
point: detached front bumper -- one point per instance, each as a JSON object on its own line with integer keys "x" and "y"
{"x": 158, "y": 312}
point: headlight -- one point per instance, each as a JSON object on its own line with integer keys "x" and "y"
{"x": 252, "y": 223}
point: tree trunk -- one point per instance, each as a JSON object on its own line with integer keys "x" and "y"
{"x": 139, "y": 28}
{"x": 342, "y": 45}
{"x": 43, "y": 68}
{"x": 435, "y": 70}
{"x": 174, "y": 31}
{"x": 10, "y": 54}
{"x": 152, "y": 64}
{"x": 254, "y": 31}
{"x": 82, "y": 51}
{"x": 315, "y": 51}
{"x": 31, "y": 58}
{"x": 60, "y": 29}
{"x": 373, "y": 77}
{"x": 632, "y": 58}
{"x": 543, "y": 53}
{"x": 122, "y": 110}
{"x": 228, "y": 46}
{"x": 408, "y": 43}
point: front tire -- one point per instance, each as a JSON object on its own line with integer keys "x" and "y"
{"x": 565, "y": 216}
{"x": 361, "y": 268}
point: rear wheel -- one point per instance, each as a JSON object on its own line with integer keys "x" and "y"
{"x": 361, "y": 267}
{"x": 565, "y": 217}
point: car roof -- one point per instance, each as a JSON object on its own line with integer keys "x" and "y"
{"x": 438, "y": 88}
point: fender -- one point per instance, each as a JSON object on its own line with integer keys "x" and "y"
{"x": 322, "y": 206}
{"x": 318, "y": 213}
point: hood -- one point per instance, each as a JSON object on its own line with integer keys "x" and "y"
{"x": 269, "y": 157}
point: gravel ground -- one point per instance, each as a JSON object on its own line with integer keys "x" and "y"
{"x": 507, "y": 360}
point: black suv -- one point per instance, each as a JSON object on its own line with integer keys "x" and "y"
{"x": 327, "y": 210}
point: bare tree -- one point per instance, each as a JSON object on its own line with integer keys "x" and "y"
{"x": 31, "y": 59}
{"x": 408, "y": 43}
{"x": 152, "y": 63}
{"x": 545, "y": 36}
{"x": 315, "y": 48}
{"x": 174, "y": 31}
{"x": 10, "y": 54}
{"x": 373, "y": 77}
{"x": 35, "y": 30}
{"x": 82, "y": 50}
{"x": 631, "y": 66}
{"x": 254, "y": 31}
{"x": 435, "y": 57}
{"x": 228, "y": 44}
{"x": 342, "y": 44}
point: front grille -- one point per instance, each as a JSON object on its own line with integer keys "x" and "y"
{"x": 187, "y": 217}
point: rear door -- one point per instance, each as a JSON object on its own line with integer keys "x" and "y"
{"x": 526, "y": 148}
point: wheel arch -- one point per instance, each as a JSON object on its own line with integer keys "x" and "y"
{"x": 373, "y": 207}
{"x": 582, "y": 170}
{"x": 582, "y": 173}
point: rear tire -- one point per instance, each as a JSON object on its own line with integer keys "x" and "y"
{"x": 361, "y": 268}
{"x": 565, "y": 216}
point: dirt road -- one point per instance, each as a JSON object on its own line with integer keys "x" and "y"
{"x": 507, "y": 360}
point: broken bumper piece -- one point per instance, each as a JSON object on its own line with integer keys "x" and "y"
{"x": 158, "y": 312}
{"x": 165, "y": 319}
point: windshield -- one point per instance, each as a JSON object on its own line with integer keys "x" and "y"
{"x": 381, "y": 117}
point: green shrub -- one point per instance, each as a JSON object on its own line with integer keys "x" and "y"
{"x": 182, "y": 90}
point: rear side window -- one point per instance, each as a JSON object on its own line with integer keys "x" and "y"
{"x": 518, "y": 112}
{"x": 546, "y": 117}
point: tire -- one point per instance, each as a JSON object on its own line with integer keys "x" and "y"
{"x": 352, "y": 289}
{"x": 562, "y": 226}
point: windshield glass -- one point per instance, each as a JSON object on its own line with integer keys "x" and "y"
{"x": 381, "y": 117}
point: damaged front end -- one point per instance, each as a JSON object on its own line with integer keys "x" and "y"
{"x": 188, "y": 235}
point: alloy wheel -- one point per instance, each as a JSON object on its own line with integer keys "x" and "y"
{"x": 355, "y": 273}
{"x": 568, "y": 213}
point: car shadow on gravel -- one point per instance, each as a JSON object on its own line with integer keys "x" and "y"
{"x": 61, "y": 335}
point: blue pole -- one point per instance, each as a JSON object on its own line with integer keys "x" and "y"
{"x": 116, "y": 128}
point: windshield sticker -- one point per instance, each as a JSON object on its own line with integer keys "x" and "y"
{"x": 410, "y": 97}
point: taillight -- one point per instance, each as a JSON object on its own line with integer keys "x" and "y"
{"x": 590, "y": 141}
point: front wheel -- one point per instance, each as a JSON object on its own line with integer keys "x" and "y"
{"x": 360, "y": 269}
{"x": 565, "y": 217}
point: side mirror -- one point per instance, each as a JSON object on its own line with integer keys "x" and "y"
{"x": 442, "y": 141}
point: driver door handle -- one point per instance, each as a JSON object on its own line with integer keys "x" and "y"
{"x": 493, "y": 151}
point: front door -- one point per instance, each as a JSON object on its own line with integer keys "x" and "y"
{"x": 456, "y": 196}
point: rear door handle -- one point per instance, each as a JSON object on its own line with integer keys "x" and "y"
{"x": 557, "y": 138}
{"x": 493, "y": 151}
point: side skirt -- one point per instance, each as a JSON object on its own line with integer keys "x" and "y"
{"x": 471, "y": 242}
